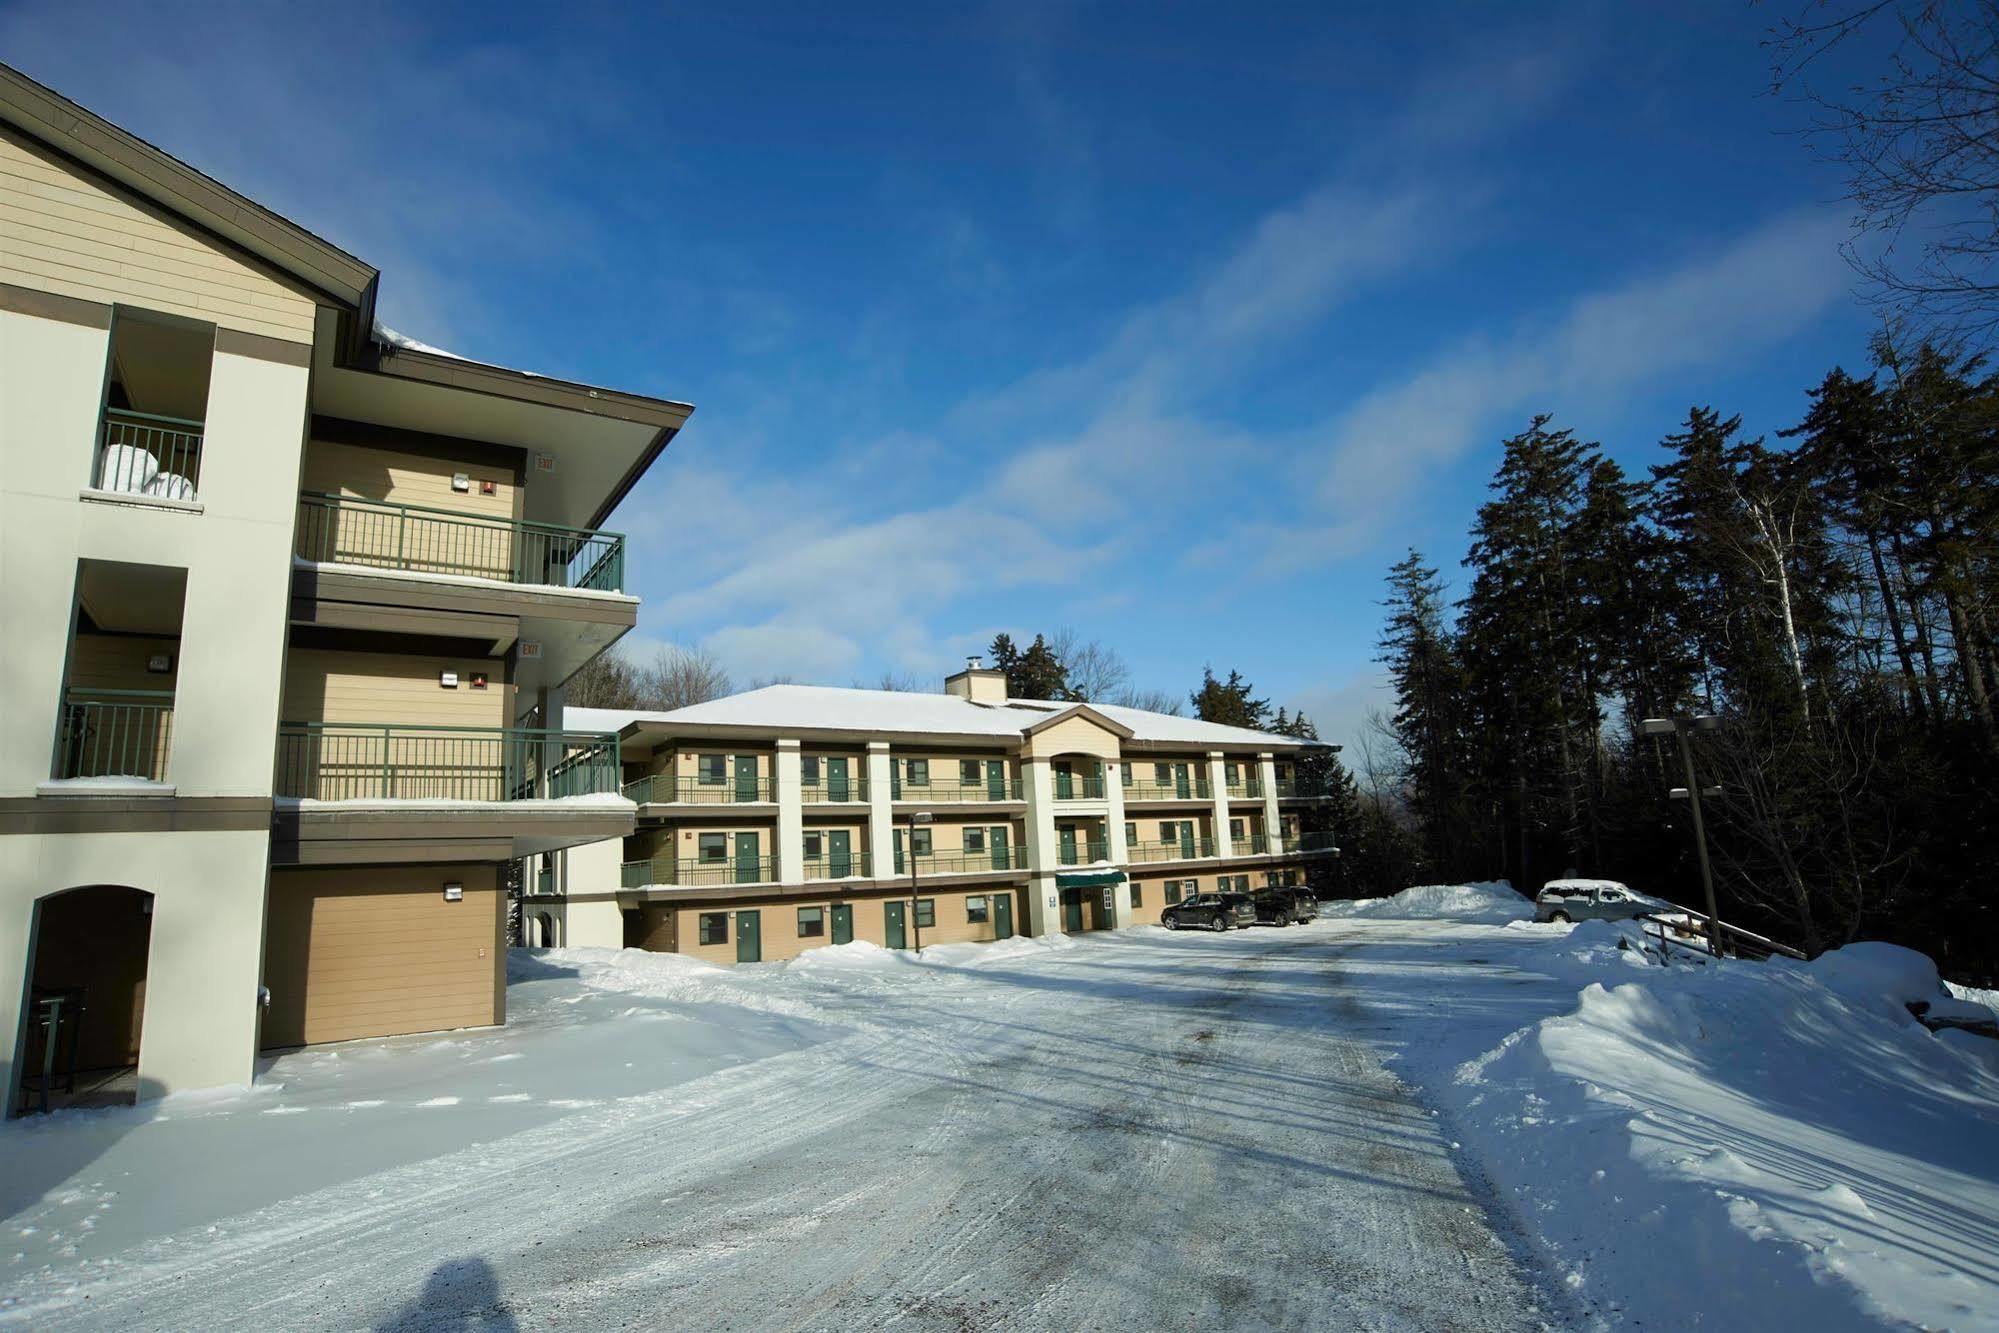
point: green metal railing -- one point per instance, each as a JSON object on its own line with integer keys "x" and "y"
{"x": 1248, "y": 789}
{"x": 1193, "y": 789}
{"x": 945, "y": 793}
{"x": 346, "y": 761}
{"x": 828, "y": 792}
{"x": 346, "y": 529}
{"x": 1084, "y": 853}
{"x": 838, "y": 865}
{"x": 149, "y": 455}
{"x": 666, "y": 789}
{"x": 1078, "y": 786}
{"x": 1312, "y": 842}
{"x": 1175, "y": 849}
{"x": 115, "y": 733}
{"x": 695, "y": 873}
{"x": 1295, "y": 787}
{"x": 1008, "y": 857}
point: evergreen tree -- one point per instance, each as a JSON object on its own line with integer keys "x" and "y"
{"x": 1034, "y": 674}
{"x": 1423, "y": 664}
{"x": 1232, "y": 702}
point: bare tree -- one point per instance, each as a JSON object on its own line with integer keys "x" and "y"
{"x": 897, "y": 682}
{"x": 1151, "y": 701}
{"x": 1095, "y": 670}
{"x": 608, "y": 680}
{"x": 678, "y": 677}
{"x": 1918, "y": 145}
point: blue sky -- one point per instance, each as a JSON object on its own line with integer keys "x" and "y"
{"x": 1174, "y": 324}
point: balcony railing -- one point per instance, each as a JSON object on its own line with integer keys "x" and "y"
{"x": 1078, "y": 786}
{"x": 1083, "y": 854}
{"x": 946, "y": 793}
{"x": 1311, "y": 842}
{"x": 666, "y": 789}
{"x": 1249, "y": 789}
{"x": 696, "y": 873}
{"x": 346, "y": 529}
{"x": 1193, "y": 789}
{"x": 346, "y": 761}
{"x": 115, "y": 733}
{"x": 151, "y": 455}
{"x": 1008, "y": 857}
{"x": 1173, "y": 849}
{"x": 1298, "y": 787}
{"x": 828, "y": 792}
{"x": 839, "y": 865}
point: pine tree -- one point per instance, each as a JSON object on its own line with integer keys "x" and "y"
{"x": 1428, "y": 676}
{"x": 1232, "y": 703}
{"x": 1034, "y": 674}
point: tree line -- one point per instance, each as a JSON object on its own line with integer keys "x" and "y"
{"x": 1831, "y": 596}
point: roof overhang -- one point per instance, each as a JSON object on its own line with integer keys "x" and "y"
{"x": 1117, "y": 729}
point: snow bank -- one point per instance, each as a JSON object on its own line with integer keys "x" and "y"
{"x": 1492, "y": 902}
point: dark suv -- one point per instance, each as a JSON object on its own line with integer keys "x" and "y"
{"x": 1204, "y": 911}
{"x": 1274, "y": 908}
{"x": 1242, "y": 905}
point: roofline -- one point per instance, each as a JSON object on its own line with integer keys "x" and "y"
{"x": 1118, "y": 729}
{"x": 764, "y": 731}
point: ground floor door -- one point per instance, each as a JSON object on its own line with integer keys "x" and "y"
{"x": 893, "y": 930}
{"x": 87, "y": 997}
{"x": 843, "y": 923}
{"x": 1072, "y": 910}
{"x": 839, "y": 853}
{"x": 749, "y": 937}
{"x": 1003, "y": 916}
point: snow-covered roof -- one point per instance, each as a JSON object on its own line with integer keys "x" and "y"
{"x": 892, "y": 712}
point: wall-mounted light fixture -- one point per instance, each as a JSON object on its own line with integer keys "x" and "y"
{"x": 448, "y": 679}
{"x": 454, "y": 893}
{"x": 460, "y": 482}
{"x": 160, "y": 664}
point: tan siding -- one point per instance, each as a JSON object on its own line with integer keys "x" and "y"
{"x": 779, "y": 923}
{"x": 118, "y": 662}
{"x": 1075, "y": 735}
{"x": 63, "y": 232}
{"x": 376, "y": 951}
{"x": 433, "y": 543}
{"x": 330, "y": 685}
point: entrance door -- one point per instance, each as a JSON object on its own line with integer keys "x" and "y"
{"x": 746, "y": 777}
{"x": 1002, "y": 916}
{"x": 747, "y": 868}
{"x": 1002, "y": 854}
{"x": 996, "y": 779}
{"x": 1066, "y": 840}
{"x": 839, "y": 853}
{"x": 843, "y": 923}
{"x": 1182, "y": 786}
{"x": 836, "y": 781}
{"x": 1065, "y": 782}
{"x": 892, "y": 927}
{"x": 1072, "y": 911}
{"x": 1186, "y": 837}
{"x": 749, "y": 937}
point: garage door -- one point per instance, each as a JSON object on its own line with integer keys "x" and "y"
{"x": 372, "y": 951}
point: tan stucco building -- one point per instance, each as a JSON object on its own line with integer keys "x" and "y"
{"x": 289, "y": 604}
{"x": 792, "y": 816}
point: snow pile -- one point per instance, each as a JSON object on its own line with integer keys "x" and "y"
{"x": 1491, "y": 901}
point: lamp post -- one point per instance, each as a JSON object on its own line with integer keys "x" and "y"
{"x": 915, "y": 818}
{"x": 1692, "y": 793}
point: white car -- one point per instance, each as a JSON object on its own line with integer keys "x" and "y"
{"x": 1592, "y": 900}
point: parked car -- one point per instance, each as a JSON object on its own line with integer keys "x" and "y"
{"x": 1273, "y": 907}
{"x": 1242, "y": 905}
{"x": 1304, "y": 905}
{"x": 1204, "y": 911}
{"x": 1592, "y": 900}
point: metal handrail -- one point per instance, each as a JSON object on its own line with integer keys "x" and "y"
{"x": 1008, "y": 857}
{"x": 946, "y": 793}
{"x": 822, "y": 792}
{"x": 686, "y": 872}
{"x": 1195, "y": 789}
{"x": 355, "y": 530}
{"x": 1082, "y": 787}
{"x": 1248, "y": 790}
{"x": 336, "y": 761}
{"x": 1312, "y": 842}
{"x": 669, "y": 789}
{"x": 1174, "y": 849}
{"x": 142, "y": 453}
{"x": 828, "y": 865}
{"x": 1085, "y": 853}
{"x": 115, "y": 733}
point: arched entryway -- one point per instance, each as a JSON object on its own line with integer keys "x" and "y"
{"x": 86, "y": 997}
{"x": 546, "y": 932}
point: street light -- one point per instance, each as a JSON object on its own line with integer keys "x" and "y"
{"x": 1691, "y": 794}
{"x": 915, "y": 924}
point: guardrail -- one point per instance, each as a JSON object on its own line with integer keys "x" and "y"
{"x": 1248, "y": 790}
{"x": 1083, "y": 854}
{"x": 115, "y": 733}
{"x": 667, "y": 789}
{"x": 145, "y": 454}
{"x": 1173, "y": 849}
{"x": 1311, "y": 842}
{"x": 1687, "y": 929}
{"x": 1193, "y": 789}
{"x": 694, "y": 873}
{"x": 350, "y": 761}
{"x": 828, "y": 792}
{"x": 349, "y": 530}
{"x": 839, "y": 865}
{"x": 1078, "y": 787}
{"x": 963, "y": 863}
{"x": 947, "y": 793}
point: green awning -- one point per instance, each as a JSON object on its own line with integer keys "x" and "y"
{"x": 1087, "y": 879}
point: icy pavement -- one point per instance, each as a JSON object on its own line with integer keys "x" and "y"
{"x": 1144, "y": 1130}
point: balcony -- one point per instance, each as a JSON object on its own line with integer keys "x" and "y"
{"x": 1177, "y": 849}
{"x": 950, "y": 793}
{"x": 1250, "y": 789}
{"x": 1083, "y": 854}
{"x": 666, "y": 789}
{"x": 963, "y": 863}
{"x": 1193, "y": 789}
{"x": 145, "y": 454}
{"x": 115, "y": 733}
{"x": 839, "y": 865}
{"x": 1311, "y": 842}
{"x": 1078, "y": 786}
{"x": 694, "y": 873}
{"x": 1295, "y": 787}
{"x": 348, "y": 530}
{"x": 829, "y": 792}
{"x": 344, "y": 761}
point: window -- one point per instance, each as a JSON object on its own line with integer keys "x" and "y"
{"x": 975, "y": 840}
{"x": 714, "y": 928}
{"x": 1162, "y": 773}
{"x": 926, "y": 911}
{"x": 1168, "y": 831}
{"x": 1235, "y": 830}
{"x": 713, "y": 846}
{"x": 1137, "y": 895}
{"x": 808, "y": 770}
{"x": 968, "y": 772}
{"x": 714, "y": 769}
{"x": 918, "y": 771}
{"x": 1233, "y": 773}
{"x": 1172, "y": 890}
{"x": 1124, "y": 774}
{"x": 811, "y": 922}
{"x": 975, "y": 909}
{"x": 1130, "y": 832}
{"x": 815, "y": 844}
{"x": 920, "y": 841}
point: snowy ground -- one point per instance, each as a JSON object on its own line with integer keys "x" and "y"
{"x": 1384, "y": 1120}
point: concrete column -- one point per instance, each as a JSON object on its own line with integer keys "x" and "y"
{"x": 881, "y": 812}
{"x": 550, "y": 702}
{"x": 1218, "y": 787}
{"x": 587, "y": 877}
{"x": 1114, "y": 837}
{"x": 1044, "y": 908}
{"x": 1273, "y": 822}
{"x": 790, "y": 813}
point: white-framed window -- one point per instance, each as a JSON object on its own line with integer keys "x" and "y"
{"x": 712, "y": 846}
{"x": 976, "y": 909}
{"x": 975, "y": 840}
{"x": 811, "y": 922}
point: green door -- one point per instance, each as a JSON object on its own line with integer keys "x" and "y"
{"x": 836, "y": 781}
{"x": 839, "y": 854}
{"x": 892, "y": 928}
{"x": 1002, "y": 854}
{"x": 996, "y": 779}
{"x": 748, "y": 869}
{"x": 843, "y": 924}
{"x": 1072, "y": 911}
{"x": 1187, "y": 837}
{"x": 1065, "y": 782}
{"x": 749, "y": 937}
{"x": 1181, "y": 786}
{"x": 1066, "y": 839}
{"x": 1002, "y": 916}
{"x": 746, "y": 777}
